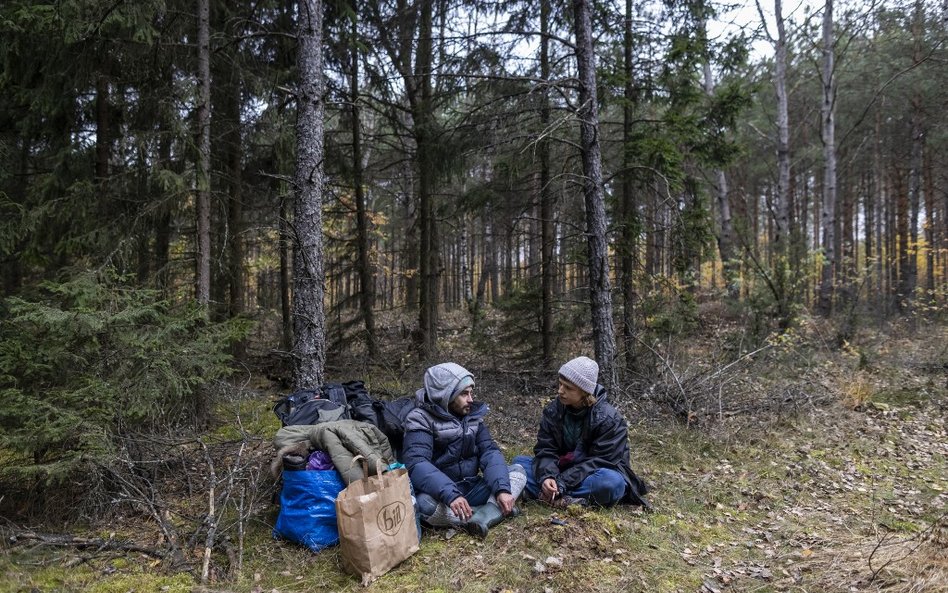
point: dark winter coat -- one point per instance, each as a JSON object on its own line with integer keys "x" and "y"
{"x": 604, "y": 443}
{"x": 441, "y": 449}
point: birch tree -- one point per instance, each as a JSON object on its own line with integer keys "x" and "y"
{"x": 828, "y": 131}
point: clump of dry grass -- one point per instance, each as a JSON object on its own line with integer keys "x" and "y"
{"x": 857, "y": 392}
{"x": 916, "y": 564}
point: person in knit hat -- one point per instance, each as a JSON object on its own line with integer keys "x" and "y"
{"x": 582, "y": 450}
{"x": 446, "y": 446}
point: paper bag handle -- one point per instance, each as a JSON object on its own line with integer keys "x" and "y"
{"x": 365, "y": 467}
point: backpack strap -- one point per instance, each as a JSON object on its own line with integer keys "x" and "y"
{"x": 335, "y": 393}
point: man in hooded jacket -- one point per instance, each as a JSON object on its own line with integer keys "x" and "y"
{"x": 447, "y": 447}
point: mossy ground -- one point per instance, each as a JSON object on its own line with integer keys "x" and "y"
{"x": 838, "y": 493}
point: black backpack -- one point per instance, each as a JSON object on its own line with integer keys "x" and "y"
{"x": 350, "y": 401}
{"x": 312, "y": 406}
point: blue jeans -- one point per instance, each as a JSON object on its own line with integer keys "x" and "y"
{"x": 603, "y": 487}
{"x": 476, "y": 490}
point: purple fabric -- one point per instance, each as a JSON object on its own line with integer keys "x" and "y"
{"x": 319, "y": 460}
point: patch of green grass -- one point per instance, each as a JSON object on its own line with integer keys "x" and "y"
{"x": 899, "y": 525}
{"x": 246, "y": 416}
{"x": 48, "y": 572}
{"x": 899, "y": 397}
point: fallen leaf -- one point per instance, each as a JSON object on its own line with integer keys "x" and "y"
{"x": 710, "y": 586}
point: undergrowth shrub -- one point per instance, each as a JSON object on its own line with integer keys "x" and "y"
{"x": 91, "y": 359}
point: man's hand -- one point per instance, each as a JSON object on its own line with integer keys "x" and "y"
{"x": 461, "y": 508}
{"x": 549, "y": 490}
{"x": 505, "y": 501}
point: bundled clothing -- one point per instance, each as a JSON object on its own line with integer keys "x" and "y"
{"x": 586, "y": 450}
{"x": 342, "y": 440}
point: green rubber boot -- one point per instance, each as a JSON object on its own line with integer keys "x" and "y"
{"x": 484, "y": 517}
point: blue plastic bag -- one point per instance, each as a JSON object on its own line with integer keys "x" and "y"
{"x": 308, "y": 508}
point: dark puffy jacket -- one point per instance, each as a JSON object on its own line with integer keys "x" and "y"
{"x": 604, "y": 443}
{"x": 441, "y": 449}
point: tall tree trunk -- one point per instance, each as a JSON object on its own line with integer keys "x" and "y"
{"x": 166, "y": 206}
{"x": 227, "y": 145}
{"x": 828, "y": 128}
{"x": 869, "y": 209}
{"x": 629, "y": 263}
{"x": 893, "y": 229}
{"x": 914, "y": 196}
{"x": 509, "y": 250}
{"x": 309, "y": 324}
{"x": 420, "y": 95}
{"x": 410, "y": 250}
{"x": 725, "y": 236}
{"x": 782, "y": 230}
{"x": 915, "y": 164}
{"x": 600, "y": 287}
{"x": 546, "y": 194}
{"x": 488, "y": 272}
{"x": 464, "y": 263}
{"x": 491, "y": 259}
{"x": 286, "y": 240}
{"x": 366, "y": 267}
{"x": 929, "y": 228}
{"x": 880, "y": 201}
{"x": 902, "y": 215}
{"x": 235, "y": 210}
{"x": 203, "y": 274}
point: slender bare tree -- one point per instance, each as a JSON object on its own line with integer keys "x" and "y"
{"x": 828, "y": 131}
{"x": 366, "y": 266}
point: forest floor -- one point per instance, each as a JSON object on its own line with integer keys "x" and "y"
{"x": 798, "y": 468}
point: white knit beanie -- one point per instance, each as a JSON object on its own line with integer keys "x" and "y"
{"x": 583, "y": 372}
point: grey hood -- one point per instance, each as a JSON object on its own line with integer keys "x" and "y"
{"x": 442, "y": 381}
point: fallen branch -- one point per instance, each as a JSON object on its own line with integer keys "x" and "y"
{"x": 921, "y": 537}
{"x": 83, "y": 543}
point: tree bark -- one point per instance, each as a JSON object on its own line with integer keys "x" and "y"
{"x": 828, "y": 128}
{"x": 203, "y": 274}
{"x": 782, "y": 230}
{"x": 366, "y": 267}
{"x": 420, "y": 95}
{"x": 546, "y": 195}
{"x": 285, "y": 305}
{"x": 600, "y": 287}
{"x": 903, "y": 284}
{"x": 309, "y": 324}
{"x": 629, "y": 251}
{"x": 729, "y": 264}
{"x": 880, "y": 201}
{"x": 929, "y": 228}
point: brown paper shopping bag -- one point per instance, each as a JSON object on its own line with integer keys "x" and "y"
{"x": 376, "y": 521}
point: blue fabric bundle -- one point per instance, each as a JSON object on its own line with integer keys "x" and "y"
{"x": 308, "y": 508}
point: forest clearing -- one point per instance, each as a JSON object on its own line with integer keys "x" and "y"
{"x": 818, "y": 472}
{"x": 735, "y": 225}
